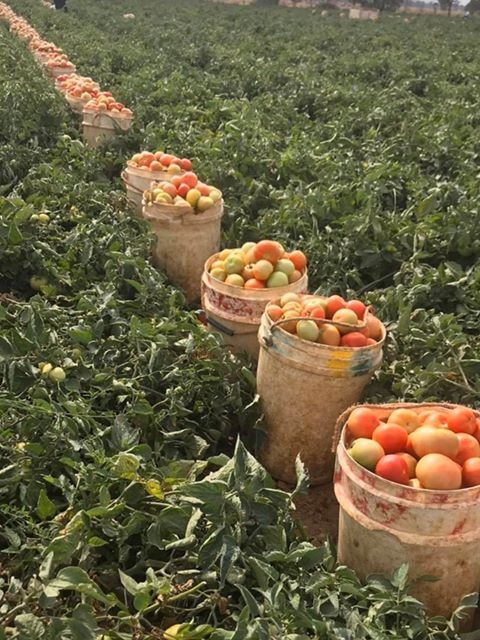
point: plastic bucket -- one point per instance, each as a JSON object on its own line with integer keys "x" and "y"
{"x": 236, "y": 313}
{"x": 383, "y": 524}
{"x": 99, "y": 127}
{"x": 184, "y": 241}
{"x": 138, "y": 180}
{"x": 304, "y": 387}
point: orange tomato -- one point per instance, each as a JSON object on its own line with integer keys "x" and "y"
{"x": 176, "y": 181}
{"x": 166, "y": 159}
{"x": 428, "y": 439}
{"x": 362, "y": 422}
{"x": 253, "y": 283}
{"x": 469, "y": 447}
{"x": 274, "y": 312}
{"x": 462, "y": 420}
{"x": 438, "y": 472}
{"x": 471, "y": 472}
{"x": 298, "y": 258}
{"x": 155, "y": 166}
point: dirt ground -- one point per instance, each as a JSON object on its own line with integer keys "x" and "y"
{"x": 317, "y": 510}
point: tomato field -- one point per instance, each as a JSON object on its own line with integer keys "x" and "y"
{"x": 131, "y": 497}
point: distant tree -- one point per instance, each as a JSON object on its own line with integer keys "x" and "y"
{"x": 473, "y": 6}
{"x": 383, "y": 5}
{"x": 448, "y": 4}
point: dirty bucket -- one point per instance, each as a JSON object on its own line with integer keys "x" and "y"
{"x": 235, "y": 312}
{"x": 139, "y": 179}
{"x": 383, "y": 524}
{"x": 184, "y": 241}
{"x": 99, "y": 127}
{"x": 304, "y": 387}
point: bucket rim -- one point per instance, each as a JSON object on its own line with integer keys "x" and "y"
{"x": 296, "y": 339}
{"x": 256, "y": 294}
{"x": 389, "y": 483}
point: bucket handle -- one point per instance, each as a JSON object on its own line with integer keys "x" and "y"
{"x": 267, "y": 340}
{"x": 124, "y": 176}
{"x": 221, "y": 327}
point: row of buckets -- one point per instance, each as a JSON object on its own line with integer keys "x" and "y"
{"x": 307, "y": 391}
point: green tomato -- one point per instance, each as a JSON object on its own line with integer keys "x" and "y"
{"x": 57, "y": 374}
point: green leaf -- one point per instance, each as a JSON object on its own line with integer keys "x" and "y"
{"x": 129, "y": 584}
{"x": 29, "y": 627}
{"x": 45, "y": 507}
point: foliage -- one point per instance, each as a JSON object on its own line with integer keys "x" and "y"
{"x": 126, "y": 505}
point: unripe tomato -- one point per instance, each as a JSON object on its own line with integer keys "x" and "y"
{"x": 436, "y": 471}
{"x": 366, "y": 452}
{"x": 391, "y": 437}
{"x": 394, "y": 468}
{"x": 57, "y": 374}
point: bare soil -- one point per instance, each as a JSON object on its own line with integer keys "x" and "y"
{"x": 317, "y": 511}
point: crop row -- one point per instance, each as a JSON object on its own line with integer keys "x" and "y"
{"x": 110, "y": 518}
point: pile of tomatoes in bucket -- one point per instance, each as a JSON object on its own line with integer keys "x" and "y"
{"x": 430, "y": 448}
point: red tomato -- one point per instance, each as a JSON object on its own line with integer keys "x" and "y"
{"x": 166, "y": 159}
{"x": 176, "y": 161}
{"x": 334, "y": 304}
{"x": 146, "y": 159}
{"x": 253, "y": 283}
{"x": 469, "y": 448}
{"x": 268, "y": 250}
{"x": 190, "y": 178}
{"x": 354, "y": 339}
{"x": 436, "y": 471}
{"x": 186, "y": 164}
{"x": 462, "y": 420}
{"x": 394, "y": 468}
{"x": 362, "y": 422}
{"x": 317, "y": 312}
{"x": 358, "y": 307}
{"x": 471, "y": 472}
{"x": 183, "y": 189}
{"x": 298, "y": 258}
{"x": 392, "y": 437}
